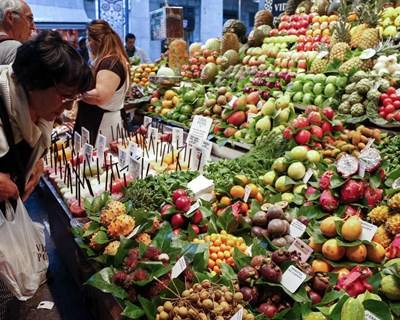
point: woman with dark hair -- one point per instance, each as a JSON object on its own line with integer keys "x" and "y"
{"x": 47, "y": 76}
{"x": 102, "y": 108}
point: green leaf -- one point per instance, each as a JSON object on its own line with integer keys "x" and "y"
{"x": 312, "y": 212}
{"x": 241, "y": 260}
{"x": 227, "y": 221}
{"x": 375, "y": 280}
{"x": 148, "y": 308}
{"x": 395, "y": 308}
{"x": 93, "y": 227}
{"x": 330, "y": 297}
{"x": 101, "y": 238}
{"x": 375, "y": 181}
{"x": 102, "y": 280}
{"x": 163, "y": 238}
{"x": 132, "y": 311}
{"x": 378, "y": 308}
{"x": 336, "y": 182}
{"x": 336, "y": 312}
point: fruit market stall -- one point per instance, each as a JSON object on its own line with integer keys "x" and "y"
{"x": 262, "y": 183}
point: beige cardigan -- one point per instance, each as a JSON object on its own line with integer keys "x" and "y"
{"x": 38, "y": 136}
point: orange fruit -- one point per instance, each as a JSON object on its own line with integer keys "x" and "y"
{"x": 166, "y": 104}
{"x": 317, "y": 247}
{"x": 244, "y": 208}
{"x": 254, "y": 190}
{"x": 328, "y": 226}
{"x": 332, "y": 251}
{"x": 259, "y": 197}
{"x": 357, "y": 253}
{"x": 320, "y": 266}
{"x": 169, "y": 94}
{"x": 225, "y": 201}
{"x": 375, "y": 252}
{"x": 341, "y": 272}
{"x": 237, "y": 192}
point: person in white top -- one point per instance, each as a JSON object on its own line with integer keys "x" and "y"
{"x": 134, "y": 52}
{"x": 16, "y": 26}
{"x": 102, "y": 108}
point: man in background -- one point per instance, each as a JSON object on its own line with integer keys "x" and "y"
{"x": 134, "y": 52}
{"x": 82, "y": 49}
{"x": 16, "y": 26}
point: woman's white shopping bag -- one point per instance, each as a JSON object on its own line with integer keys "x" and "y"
{"x": 23, "y": 256}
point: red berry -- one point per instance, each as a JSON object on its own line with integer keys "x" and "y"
{"x": 387, "y": 101}
{"x": 389, "y": 108}
{"x": 197, "y": 217}
{"x": 396, "y": 104}
{"x": 397, "y": 116}
{"x": 391, "y": 90}
{"x": 178, "y": 193}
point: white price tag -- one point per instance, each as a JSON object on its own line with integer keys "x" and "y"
{"x": 238, "y": 315}
{"x": 101, "y": 147}
{"x": 248, "y": 250}
{"x": 199, "y": 158}
{"x": 367, "y": 54}
{"x": 177, "y": 137}
{"x": 368, "y": 315}
{"x": 251, "y": 116}
{"x": 134, "y": 232}
{"x": 153, "y": 134}
{"x": 369, "y": 143}
{"x": 247, "y": 191}
{"x": 207, "y": 146}
{"x": 234, "y": 98}
{"x": 361, "y": 169}
{"x": 308, "y": 175}
{"x": 88, "y": 152}
{"x": 77, "y": 142}
{"x": 368, "y": 230}
{"x": 297, "y": 229}
{"x": 301, "y": 247}
{"x": 193, "y": 207}
{"x": 322, "y": 54}
{"x": 135, "y": 167}
{"x": 292, "y": 279}
{"x": 45, "y": 305}
{"x": 132, "y": 147}
{"x": 85, "y": 135}
{"x": 178, "y": 268}
{"x": 122, "y": 157}
{"x": 147, "y": 121}
{"x": 199, "y": 130}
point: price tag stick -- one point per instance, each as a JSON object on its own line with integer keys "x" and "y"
{"x": 147, "y": 170}
{"x": 157, "y": 151}
{"x": 111, "y": 166}
{"x": 112, "y": 177}
{"x": 65, "y": 172}
{"x": 184, "y": 157}
{"x": 90, "y": 168}
{"x": 70, "y": 178}
{"x": 64, "y": 155}
{"x": 117, "y": 169}
{"x": 190, "y": 156}
{"x": 198, "y": 165}
{"x": 141, "y": 168}
{"x": 118, "y": 132}
{"x": 51, "y": 156}
{"x": 60, "y": 168}
{"x": 125, "y": 184}
{"x": 89, "y": 187}
{"x": 163, "y": 153}
{"x": 172, "y": 147}
{"x": 105, "y": 163}
{"x": 98, "y": 171}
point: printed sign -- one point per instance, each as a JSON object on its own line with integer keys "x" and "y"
{"x": 293, "y": 278}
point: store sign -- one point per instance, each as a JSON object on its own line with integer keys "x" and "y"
{"x": 277, "y": 7}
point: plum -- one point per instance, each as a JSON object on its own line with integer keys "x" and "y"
{"x": 279, "y": 242}
{"x": 247, "y": 274}
{"x": 260, "y": 219}
{"x": 271, "y": 272}
{"x": 277, "y": 228}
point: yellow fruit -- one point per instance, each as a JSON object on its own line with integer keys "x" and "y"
{"x": 382, "y": 237}
{"x": 332, "y": 251}
{"x": 393, "y": 224}
{"x": 241, "y": 179}
{"x": 341, "y": 272}
{"x": 317, "y": 247}
{"x": 379, "y": 215}
{"x": 175, "y": 100}
{"x": 375, "y": 252}
{"x": 320, "y": 266}
{"x": 166, "y": 104}
{"x": 351, "y": 229}
{"x": 169, "y": 94}
{"x": 328, "y": 226}
{"x": 357, "y": 253}
{"x": 237, "y": 192}
{"x": 225, "y": 201}
{"x": 169, "y": 159}
{"x": 254, "y": 190}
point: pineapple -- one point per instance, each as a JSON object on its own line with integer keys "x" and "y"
{"x": 341, "y": 36}
{"x": 319, "y": 65}
{"x": 111, "y": 212}
{"x": 369, "y": 39}
{"x": 121, "y": 226}
{"x": 354, "y": 63}
{"x": 230, "y": 41}
{"x": 394, "y": 202}
{"x": 356, "y": 33}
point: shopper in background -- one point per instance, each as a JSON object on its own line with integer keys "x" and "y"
{"x": 82, "y": 49}
{"x": 102, "y": 109}
{"x": 48, "y": 75}
{"x": 16, "y": 26}
{"x": 132, "y": 51}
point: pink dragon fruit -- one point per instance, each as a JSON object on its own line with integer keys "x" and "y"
{"x": 325, "y": 180}
{"x": 351, "y": 211}
{"x": 352, "y": 191}
{"x": 394, "y": 249}
{"x": 371, "y": 158}
{"x": 347, "y": 165}
{"x": 356, "y": 282}
{"x": 327, "y": 201}
{"x": 373, "y": 196}
{"x": 310, "y": 190}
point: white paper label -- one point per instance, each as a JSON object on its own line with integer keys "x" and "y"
{"x": 367, "y": 54}
{"x": 134, "y": 232}
{"x": 153, "y": 134}
{"x": 147, "y": 121}
{"x": 238, "y": 315}
{"x": 198, "y": 159}
{"x": 45, "y": 305}
{"x": 122, "y": 157}
{"x": 301, "y": 247}
{"x": 135, "y": 167}
{"x": 292, "y": 279}
{"x": 177, "y": 137}
{"x": 199, "y": 130}
{"x": 247, "y": 191}
{"x": 396, "y": 184}
{"x": 85, "y": 135}
{"x": 308, "y": 175}
{"x": 297, "y": 229}
{"x": 368, "y": 230}
{"x": 369, "y": 143}
{"x": 77, "y": 142}
{"x": 322, "y": 54}
{"x": 248, "y": 250}
{"x": 207, "y": 146}
{"x": 368, "y": 315}
{"x": 234, "y": 98}
{"x": 132, "y": 147}
{"x": 88, "y": 152}
{"x": 193, "y": 207}
{"x": 101, "y": 147}
{"x": 178, "y": 268}
{"x": 251, "y": 116}
{"x": 361, "y": 169}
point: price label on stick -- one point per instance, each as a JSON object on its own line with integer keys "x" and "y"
{"x": 147, "y": 121}
{"x": 134, "y": 232}
{"x": 199, "y": 130}
{"x": 85, "y": 135}
{"x": 247, "y": 191}
{"x": 132, "y": 148}
{"x": 135, "y": 167}
{"x": 368, "y": 230}
{"x": 297, "y": 229}
{"x": 293, "y": 278}
{"x": 88, "y": 152}
{"x": 122, "y": 157}
{"x": 178, "y": 268}
{"x": 238, "y": 315}
{"x": 77, "y": 142}
{"x": 101, "y": 147}
{"x": 302, "y": 248}
{"x": 193, "y": 207}
{"x": 308, "y": 175}
{"x": 177, "y": 137}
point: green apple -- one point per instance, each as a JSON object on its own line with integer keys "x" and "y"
{"x": 308, "y": 99}
{"x": 288, "y": 197}
{"x": 341, "y": 82}
{"x": 320, "y": 78}
{"x": 280, "y": 165}
{"x": 319, "y": 100}
{"x": 330, "y": 90}
{"x": 282, "y": 102}
{"x": 298, "y": 153}
{"x": 297, "y": 86}
{"x": 331, "y": 79}
{"x": 313, "y": 156}
{"x": 280, "y": 184}
{"x": 296, "y": 170}
{"x": 301, "y": 77}
{"x": 310, "y": 77}
{"x": 299, "y": 188}
{"x": 269, "y": 178}
{"x": 298, "y": 97}
{"x": 283, "y": 117}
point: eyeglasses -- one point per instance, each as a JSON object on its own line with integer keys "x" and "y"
{"x": 67, "y": 98}
{"x": 28, "y": 17}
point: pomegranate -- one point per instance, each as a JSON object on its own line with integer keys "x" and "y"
{"x": 373, "y": 196}
{"x": 303, "y": 137}
{"x": 178, "y": 193}
{"x": 183, "y": 203}
{"x": 328, "y": 202}
{"x": 352, "y": 191}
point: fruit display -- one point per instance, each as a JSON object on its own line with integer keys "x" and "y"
{"x": 389, "y": 103}
{"x": 140, "y": 74}
{"x": 390, "y": 22}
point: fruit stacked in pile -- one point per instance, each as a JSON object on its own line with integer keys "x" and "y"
{"x": 390, "y": 22}
{"x": 389, "y": 105}
{"x": 163, "y": 105}
{"x": 197, "y": 62}
{"x": 335, "y": 249}
{"x": 292, "y": 25}
{"x": 204, "y": 301}
{"x": 142, "y": 72}
{"x": 179, "y": 215}
{"x": 221, "y": 247}
{"x": 215, "y": 102}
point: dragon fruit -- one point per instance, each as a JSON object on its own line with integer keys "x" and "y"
{"x": 352, "y": 191}
{"x": 394, "y": 249}
{"x": 350, "y": 211}
{"x": 373, "y": 196}
{"x": 371, "y": 158}
{"x": 347, "y": 165}
{"x": 327, "y": 201}
{"x": 325, "y": 180}
{"x": 356, "y": 282}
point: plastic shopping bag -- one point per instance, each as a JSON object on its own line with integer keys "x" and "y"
{"x": 23, "y": 256}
